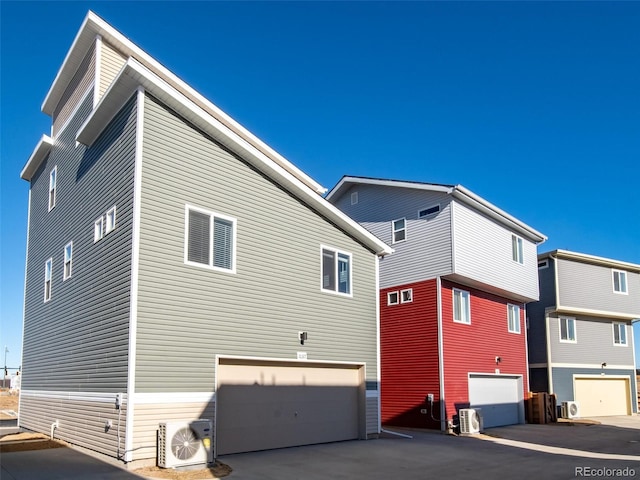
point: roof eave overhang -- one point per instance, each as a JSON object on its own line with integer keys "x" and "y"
{"x": 39, "y": 154}
{"x": 592, "y": 259}
{"x": 347, "y": 181}
{"x": 134, "y": 75}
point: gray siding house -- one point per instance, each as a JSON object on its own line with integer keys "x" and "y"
{"x": 580, "y": 336}
{"x": 178, "y": 269}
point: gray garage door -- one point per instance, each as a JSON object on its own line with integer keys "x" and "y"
{"x": 499, "y": 396}
{"x": 262, "y": 405}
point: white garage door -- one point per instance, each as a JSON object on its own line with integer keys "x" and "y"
{"x": 599, "y": 397}
{"x": 269, "y": 404}
{"x": 499, "y": 396}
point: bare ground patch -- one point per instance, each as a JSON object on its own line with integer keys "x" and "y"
{"x": 23, "y": 442}
{"x": 218, "y": 470}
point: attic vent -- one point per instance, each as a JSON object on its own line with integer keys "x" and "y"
{"x": 543, "y": 264}
{"x": 429, "y": 211}
{"x": 354, "y": 198}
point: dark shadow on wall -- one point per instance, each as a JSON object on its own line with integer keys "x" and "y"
{"x": 420, "y": 415}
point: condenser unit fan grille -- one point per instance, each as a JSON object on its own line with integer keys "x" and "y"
{"x": 184, "y": 444}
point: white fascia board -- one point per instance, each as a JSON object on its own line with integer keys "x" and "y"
{"x": 573, "y": 311}
{"x": 467, "y": 196}
{"x": 94, "y": 25}
{"x": 347, "y": 181}
{"x": 592, "y": 259}
{"x": 39, "y": 154}
{"x": 133, "y": 74}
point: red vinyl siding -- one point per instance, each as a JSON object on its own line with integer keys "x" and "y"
{"x": 474, "y": 347}
{"x": 409, "y": 356}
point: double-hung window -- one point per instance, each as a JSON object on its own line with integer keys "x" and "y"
{"x": 399, "y": 230}
{"x": 53, "y": 178}
{"x": 620, "y": 334}
{"x": 513, "y": 318}
{"x": 567, "y": 330}
{"x": 517, "y": 251}
{"x": 48, "y": 267}
{"x": 336, "y": 271}
{"x": 461, "y": 306}
{"x": 620, "y": 281}
{"x": 68, "y": 260}
{"x": 210, "y": 240}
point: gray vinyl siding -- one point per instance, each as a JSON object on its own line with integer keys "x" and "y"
{"x": 78, "y": 341}
{"x": 594, "y": 343}
{"x": 187, "y": 314}
{"x": 75, "y": 90}
{"x": 536, "y": 335}
{"x": 482, "y": 252}
{"x": 588, "y": 286}
{"x": 110, "y": 64}
{"x": 426, "y": 253}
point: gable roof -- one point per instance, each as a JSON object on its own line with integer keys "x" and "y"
{"x": 592, "y": 259}
{"x": 141, "y": 70}
{"x": 458, "y": 192}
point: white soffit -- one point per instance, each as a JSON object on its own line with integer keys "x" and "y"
{"x": 39, "y": 153}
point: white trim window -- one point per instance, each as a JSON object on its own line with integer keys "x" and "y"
{"x": 48, "y": 269}
{"x": 210, "y": 240}
{"x": 98, "y": 229}
{"x": 513, "y": 318}
{"x": 620, "y": 282}
{"x": 336, "y": 271}
{"x": 406, "y": 295}
{"x": 425, "y": 212}
{"x": 567, "y": 330}
{"x": 110, "y": 220}
{"x": 517, "y": 249}
{"x": 620, "y": 334}
{"x": 53, "y": 181}
{"x": 461, "y": 306}
{"x": 399, "y": 228}
{"x": 393, "y": 298}
{"x": 543, "y": 263}
{"x": 68, "y": 260}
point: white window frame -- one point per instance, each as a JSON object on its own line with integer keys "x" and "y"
{"x": 575, "y": 330}
{"x": 390, "y": 296}
{"x": 68, "y": 261}
{"x": 110, "y": 220}
{"x": 407, "y": 292}
{"x": 395, "y": 230}
{"x": 617, "y": 326}
{"x": 337, "y": 253}
{"x": 623, "y": 281}
{"x": 354, "y": 198}
{"x": 437, "y": 205}
{"x": 98, "y": 229}
{"x": 48, "y": 279}
{"x": 465, "y": 301}
{"x": 517, "y": 249}
{"x": 542, "y": 264}
{"x": 212, "y": 216}
{"x": 53, "y": 182}
{"x": 513, "y": 318}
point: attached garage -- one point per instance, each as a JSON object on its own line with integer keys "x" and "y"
{"x": 603, "y": 396}
{"x": 499, "y": 396}
{"x": 267, "y": 404}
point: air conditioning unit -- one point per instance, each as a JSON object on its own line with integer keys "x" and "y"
{"x": 470, "y": 421}
{"x": 184, "y": 443}
{"x": 570, "y": 410}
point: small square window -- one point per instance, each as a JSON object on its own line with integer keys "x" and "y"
{"x": 354, "y": 198}
{"x": 406, "y": 296}
{"x": 110, "y": 220}
{"x": 567, "y": 330}
{"x": 513, "y": 318}
{"x": 48, "y": 268}
{"x": 392, "y": 298}
{"x": 620, "y": 282}
{"x": 68, "y": 260}
{"x": 399, "y": 230}
{"x": 517, "y": 252}
{"x": 98, "y": 229}
{"x": 53, "y": 180}
{"x": 461, "y": 306}
{"x": 620, "y": 334}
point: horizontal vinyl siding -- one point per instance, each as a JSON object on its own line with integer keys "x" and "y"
{"x": 81, "y": 420}
{"x": 594, "y": 343}
{"x": 111, "y": 63}
{"x": 473, "y": 348}
{"x": 78, "y": 340}
{"x": 587, "y": 286}
{"x": 188, "y": 314}
{"x": 75, "y": 90}
{"x": 536, "y": 335}
{"x": 409, "y": 356}
{"x": 482, "y": 253}
{"x": 372, "y": 415}
{"x": 427, "y": 251}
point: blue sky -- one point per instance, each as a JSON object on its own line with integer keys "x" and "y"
{"x": 533, "y": 106}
